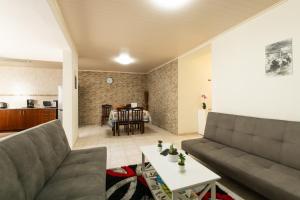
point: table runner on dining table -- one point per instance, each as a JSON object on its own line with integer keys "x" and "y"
{"x": 113, "y": 116}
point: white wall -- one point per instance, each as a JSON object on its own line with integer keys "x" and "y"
{"x": 70, "y": 70}
{"x": 17, "y": 84}
{"x": 240, "y": 85}
{"x": 194, "y": 71}
{"x": 70, "y": 96}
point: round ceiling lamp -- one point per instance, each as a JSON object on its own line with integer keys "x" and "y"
{"x": 171, "y": 4}
{"x": 124, "y": 59}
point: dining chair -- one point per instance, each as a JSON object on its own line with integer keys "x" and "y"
{"x": 137, "y": 119}
{"x": 105, "y": 111}
{"x": 123, "y": 119}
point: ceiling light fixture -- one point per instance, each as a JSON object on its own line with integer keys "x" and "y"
{"x": 171, "y": 4}
{"x": 124, "y": 59}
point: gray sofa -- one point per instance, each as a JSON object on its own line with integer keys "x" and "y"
{"x": 262, "y": 154}
{"x": 38, "y": 164}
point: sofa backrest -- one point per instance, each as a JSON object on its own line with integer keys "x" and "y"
{"x": 29, "y": 159}
{"x": 275, "y": 140}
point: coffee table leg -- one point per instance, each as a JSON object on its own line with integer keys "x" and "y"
{"x": 175, "y": 196}
{"x": 143, "y": 162}
{"x": 213, "y": 191}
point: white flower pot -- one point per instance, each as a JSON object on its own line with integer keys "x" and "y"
{"x": 181, "y": 168}
{"x": 173, "y": 158}
{"x": 159, "y": 149}
{"x": 202, "y": 116}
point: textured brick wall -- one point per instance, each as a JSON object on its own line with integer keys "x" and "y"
{"x": 162, "y": 85}
{"x": 94, "y": 91}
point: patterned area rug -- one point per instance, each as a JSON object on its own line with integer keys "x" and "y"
{"x": 127, "y": 183}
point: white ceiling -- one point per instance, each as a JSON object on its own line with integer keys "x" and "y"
{"x": 29, "y": 31}
{"x": 153, "y": 36}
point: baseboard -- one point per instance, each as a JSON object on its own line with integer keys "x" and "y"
{"x": 190, "y": 133}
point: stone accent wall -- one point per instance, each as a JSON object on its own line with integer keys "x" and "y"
{"x": 162, "y": 85}
{"x": 94, "y": 91}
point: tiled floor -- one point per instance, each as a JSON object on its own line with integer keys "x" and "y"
{"x": 124, "y": 149}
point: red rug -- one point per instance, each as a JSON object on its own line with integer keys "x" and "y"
{"x": 128, "y": 184}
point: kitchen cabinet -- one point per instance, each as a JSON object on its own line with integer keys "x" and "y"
{"x": 9, "y": 119}
{"x": 20, "y": 119}
{"x": 30, "y": 118}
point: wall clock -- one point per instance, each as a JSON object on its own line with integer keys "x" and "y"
{"x": 109, "y": 80}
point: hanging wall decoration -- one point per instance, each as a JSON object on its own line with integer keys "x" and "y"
{"x": 279, "y": 58}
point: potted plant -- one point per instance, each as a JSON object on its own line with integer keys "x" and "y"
{"x": 204, "y": 97}
{"x": 173, "y": 154}
{"x": 159, "y": 145}
{"x": 181, "y": 162}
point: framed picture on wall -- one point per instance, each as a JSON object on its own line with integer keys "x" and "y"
{"x": 279, "y": 58}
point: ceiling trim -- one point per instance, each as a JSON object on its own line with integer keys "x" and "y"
{"x": 162, "y": 65}
{"x": 12, "y": 62}
{"x": 209, "y": 41}
{"x": 104, "y": 71}
{"x": 31, "y": 95}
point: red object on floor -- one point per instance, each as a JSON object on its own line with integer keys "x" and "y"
{"x": 129, "y": 172}
{"x": 218, "y": 196}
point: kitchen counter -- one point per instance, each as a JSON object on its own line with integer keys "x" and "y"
{"x": 25, "y": 108}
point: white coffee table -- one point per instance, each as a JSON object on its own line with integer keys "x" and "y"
{"x": 194, "y": 176}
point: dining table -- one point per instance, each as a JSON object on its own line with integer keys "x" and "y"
{"x": 113, "y": 117}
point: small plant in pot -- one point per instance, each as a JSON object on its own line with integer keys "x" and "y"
{"x": 159, "y": 145}
{"x": 181, "y": 162}
{"x": 173, "y": 154}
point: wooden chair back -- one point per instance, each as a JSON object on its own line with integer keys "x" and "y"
{"x": 106, "y": 108}
{"x": 123, "y": 115}
{"x": 137, "y": 114}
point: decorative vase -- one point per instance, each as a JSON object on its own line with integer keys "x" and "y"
{"x": 181, "y": 168}
{"x": 159, "y": 149}
{"x": 173, "y": 158}
{"x": 202, "y": 116}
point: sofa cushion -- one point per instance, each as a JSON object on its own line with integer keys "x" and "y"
{"x": 268, "y": 138}
{"x": 243, "y": 133}
{"x": 23, "y": 153}
{"x": 10, "y": 185}
{"x": 86, "y": 155}
{"x": 275, "y": 140}
{"x": 81, "y": 187}
{"x": 290, "y": 148}
{"x": 275, "y": 180}
{"x": 219, "y": 128}
{"x": 207, "y": 150}
{"x": 80, "y": 176}
{"x": 52, "y": 146}
{"x": 192, "y": 146}
{"x": 35, "y": 154}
